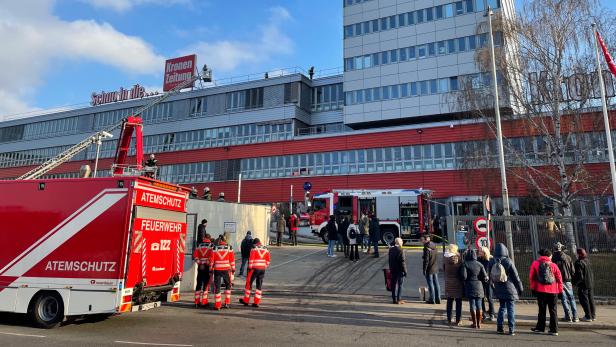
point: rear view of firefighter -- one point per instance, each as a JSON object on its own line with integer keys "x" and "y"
{"x": 202, "y": 256}
{"x": 222, "y": 262}
{"x": 257, "y": 263}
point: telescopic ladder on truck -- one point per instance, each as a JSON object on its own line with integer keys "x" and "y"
{"x": 129, "y": 125}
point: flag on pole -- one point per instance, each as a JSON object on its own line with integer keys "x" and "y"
{"x": 606, "y": 54}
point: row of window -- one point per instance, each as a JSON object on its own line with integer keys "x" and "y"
{"x": 244, "y": 99}
{"x": 457, "y": 45}
{"x": 443, "y": 156}
{"x": 59, "y": 127}
{"x": 346, "y": 3}
{"x": 33, "y": 156}
{"x": 326, "y": 98}
{"x": 417, "y": 17}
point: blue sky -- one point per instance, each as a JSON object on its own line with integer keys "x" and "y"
{"x": 57, "y": 52}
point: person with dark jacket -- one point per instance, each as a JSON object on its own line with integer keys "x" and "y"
{"x": 430, "y": 270}
{"x": 565, "y": 265}
{"x": 508, "y": 291}
{"x": 584, "y": 281}
{"x": 344, "y": 226}
{"x": 473, "y": 274}
{"x": 201, "y": 231}
{"x": 332, "y": 235}
{"x": 397, "y": 267}
{"x": 245, "y": 247}
{"x": 547, "y": 284}
{"x": 484, "y": 257}
{"x": 454, "y": 288}
{"x": 375, "y": 234}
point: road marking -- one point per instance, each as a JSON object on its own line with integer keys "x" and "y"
{"x": 292, "y": 260}
{"x": 151, "y": 344}
{"x": 17, "y": 334}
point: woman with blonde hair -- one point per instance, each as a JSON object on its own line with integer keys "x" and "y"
{"x": 454, "y": 288}
{"x": 484, "y": 258}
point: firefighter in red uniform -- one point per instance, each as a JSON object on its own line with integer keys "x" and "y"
{"x": 222, "y": 262}
{"x": 257, "y": 263}
{"x": 201, "y": 256}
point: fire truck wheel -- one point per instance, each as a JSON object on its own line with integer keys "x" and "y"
{"x": 323, "y": 235}
{"x": 387, "y": 236}
{"x": 46, "y": 310}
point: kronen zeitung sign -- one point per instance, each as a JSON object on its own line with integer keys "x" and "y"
{"x": 136, "y": 92}
{"x": 577, "y": 87}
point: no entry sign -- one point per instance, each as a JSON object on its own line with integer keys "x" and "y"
{"x": 481, "y": 226}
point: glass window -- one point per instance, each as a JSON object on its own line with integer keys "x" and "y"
{"x": 439, "y": 12}
{"x": 360, "y": 97}
{"x": 368, "y": 95}
{"x": 383, "y": 23}
{"x": 414, "y": 88}
{"x": 376, "y": 59}
{"x": 443, "y": 85}
{"x": 402, "y": 20}
{"x": 375, "y": 25}
{"x": 394, "y": 55}
{"x": 404, "y": 90}
{"x": 411, "y": 18}
{"x": 359, "y": 63}
{"x": 348, "y": 31}
{"x": 453, "y": 83}
{"x": 366, "y": 27}
{"x": 367, "y": 61}
{"x": 481, "y": 5}
{"x": 376, "y": 93}
{"x": 483, "y": 39}
{"x": 431, "y": 49}
{"x": 451, "y": 46}
{"x": 469, "y": 6}
{"x": 421, "y": 51}
{"x": 392, "y": 22}
{"x": 403, "y": 55}
{"x": 423, "y": 86}
{"x": 433, "y": 88}
{"x": 358, "y": 29}
{"x": 385, "y": 57}
{"x": 459, "y": 8}
{"x": 494, "y": 3}
{"x": 386, "y": 93}
{"x": 472, "y": 43}
{"x": 349, "y": 64}
{"x": 461, "y": 44}
{"x": 420, "y": 16}
{"x": 411, "y": 52}
{"x": 429, "y": 14}
{"x": 448, "y": 10}
{"x": 441, "y": 47}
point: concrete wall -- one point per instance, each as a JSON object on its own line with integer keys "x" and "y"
{"x": 255, "y": 218}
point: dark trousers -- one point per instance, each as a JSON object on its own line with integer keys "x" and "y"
{"x": 450, "y": 308}
{"x": 257, "y": 275}
{"x": 397, "y": 280}
{"x": 550, "y": 301}
{"x": 294, "y": 238}
{"x": 487, "y": 291}
{"x": 221, "y": 277}
{"x": 345, "y": 248}
{"x": 279, "y": 239}
{"x": 244, "y": 261}
{"x": 587, "y": 300}
{"x": 354, "y": 253}
{"x": 375, "y": 243}
{"x": 203, "y": 279}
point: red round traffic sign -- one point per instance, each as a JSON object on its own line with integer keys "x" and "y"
{"x": 483, "y": 241}
{"x": 481, "y": 226}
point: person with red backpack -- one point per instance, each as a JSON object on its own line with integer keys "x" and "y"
{"x": 547, "y": 285}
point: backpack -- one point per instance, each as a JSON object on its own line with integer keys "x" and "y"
{"x": 498, "y": 274}
{"x": 545, "y": 274}
{"x": 353, "y": 234}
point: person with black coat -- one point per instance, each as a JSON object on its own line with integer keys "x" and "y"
{"x": 344, "y": 226}
{"x": 507, "y": 291}
{"x": 397, "y": 268}
{"x": 332, "y": 235}
{"x": 375, "y": 234}
{"x": 474, "y": 275}
{"x": 201, "y": 231}
{"x": 430, "y": 270}
{"x": 565, "y": 265}
{"x": 584, "y": 280}
{"x": 245, "y": 248}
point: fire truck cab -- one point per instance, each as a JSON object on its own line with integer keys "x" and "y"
{"x": 402, "y": 213}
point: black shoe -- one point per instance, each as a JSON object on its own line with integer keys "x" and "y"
{"x": 376, "y": 256}
{"x": 535, "y": 330}
{"x": 438, "y": 302}
{"x": 255, "y": 305}
{"x": 430, "y": 302}
{"x": 500, "y": 331}
{"x": 243, "y": 302}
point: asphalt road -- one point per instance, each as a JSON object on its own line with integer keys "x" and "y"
{"x": 309, "y": 299}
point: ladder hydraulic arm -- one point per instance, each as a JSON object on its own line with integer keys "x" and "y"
{"x": 122, "y": 152}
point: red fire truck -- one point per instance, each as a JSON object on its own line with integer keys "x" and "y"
{"x": 402, "y": 213}
{"x": 74, "y": 247}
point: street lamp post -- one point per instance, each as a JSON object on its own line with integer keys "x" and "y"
{"x": 499, "y": 138}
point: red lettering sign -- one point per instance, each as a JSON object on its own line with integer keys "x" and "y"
{"x": 178, "y": 71}
{"x": 159, "y": 226}
{"x": 158, "y": 199}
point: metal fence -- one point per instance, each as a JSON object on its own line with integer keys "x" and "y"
{"x": 531, "y": 233}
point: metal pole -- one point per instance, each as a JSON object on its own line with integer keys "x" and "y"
{"x": 239, "y": 187}
{"x": 98, "y": 151}
{"x": 606, "y": 120}
{"x": 499, "y": 138}
{"x": 291, "y": 202}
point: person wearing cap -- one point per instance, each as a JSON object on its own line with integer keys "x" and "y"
{"x": 565, "y": 265}
{"x": 245, "y": 248}
{"x": 207, "y": 194}
{"x": 221, "y": 197}
{"x": 259, "y": 261}
{"x": 584, "y": 281}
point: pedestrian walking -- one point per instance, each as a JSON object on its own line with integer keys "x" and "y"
{"x": 375, "y": 234}
{"x": 344, "y": 226}
{"x": 484, "y": 258}
{"x": 507, "y": 287}
{"x": 454, "y": 288}
{"x": 245, "y": 248}
{"x": 584, "y": 281}
{"x": 222, "y": 263}
{"x": 547, "y": 285}
{"x": 474, "y": 275}
{"x": 567, "y": 270}
{"x": 280, "y": 225}
{"x": 397, "y": 268}
{"x": 430, "y": 269}
{"x": 201, "y": 257}
{"x": 258, "y": 263}
{"x": 293, "y": 227}
{"x": 364, "y": 231}
{"x": 354, "y": 236}
{"x": 332, "y": 235}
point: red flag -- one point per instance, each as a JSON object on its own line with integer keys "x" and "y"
{"x": 606, "y": 54}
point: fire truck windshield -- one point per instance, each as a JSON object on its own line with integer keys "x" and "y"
{"x": 319, "y": 204}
